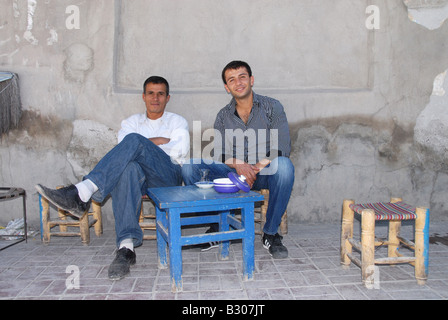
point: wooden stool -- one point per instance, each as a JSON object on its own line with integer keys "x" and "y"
{"x": 148, "y": 221}
{"x": 66, "y": 220}
{"x": 261, "y": 217}
{"x": 395, "y": 211}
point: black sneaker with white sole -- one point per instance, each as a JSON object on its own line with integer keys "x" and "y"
{"x": 213, "y": 244}
{"x": 209, "y": 246}
{"x": 273, "y": 243}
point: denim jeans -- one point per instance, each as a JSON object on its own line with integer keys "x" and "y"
{"x": 278, "y": 177}
{"x": 125, "y": 173}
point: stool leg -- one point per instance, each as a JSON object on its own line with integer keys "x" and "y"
{"x": 264, "y": 209}
{"x": 421, "y": 245}
{"x": 25, "y": 227}
{"x": 346, "y": 232}
{"x": 84, "y": 229}
{"x": 62, "y": 216}
{"x": 368, "y": 247}
{"x": 284, "y": 224}
{"x": 96, "y": 213}
{"x": 44, "y": 219}
{"x": 394, "y": 232}
{"x": 394, "y": 242}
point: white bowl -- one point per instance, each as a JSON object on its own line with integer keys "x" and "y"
{"x": 223, "y": 181}
{"x": 204, "y": 185}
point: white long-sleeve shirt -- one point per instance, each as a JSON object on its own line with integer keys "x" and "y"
{"x": 170, "y": 125}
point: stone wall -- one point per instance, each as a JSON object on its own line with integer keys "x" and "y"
{"x": 364, "y": 91}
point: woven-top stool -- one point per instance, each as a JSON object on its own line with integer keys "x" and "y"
{"x": 66, "y": 220}
{"x": 394, "y": 211}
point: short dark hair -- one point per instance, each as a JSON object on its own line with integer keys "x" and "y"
{"x": 234, "y": 65}
{"x": 157, "y": 80}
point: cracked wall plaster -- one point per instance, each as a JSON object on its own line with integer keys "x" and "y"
{"x": 431, "y": 129}
{"x": 89, "y": 144}
{"x": 78, "y": 62}
{"x": 430, "y": 14}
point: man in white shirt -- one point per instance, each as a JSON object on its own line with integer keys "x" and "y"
{"x": 151, "y": 149}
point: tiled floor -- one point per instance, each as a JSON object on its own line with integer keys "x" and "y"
{"x": 312, "y": 271}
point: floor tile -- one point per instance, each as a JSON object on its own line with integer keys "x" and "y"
{"x": 312, "y": 271}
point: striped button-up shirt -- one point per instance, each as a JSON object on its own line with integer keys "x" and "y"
{"x": 265, "y": 135}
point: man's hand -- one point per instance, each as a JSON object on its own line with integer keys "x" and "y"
{"x": 249, "y": 171}
{"x": 159, "y": 140}
{"x": 262, "y": 164}
{"x": 244, "y": 169}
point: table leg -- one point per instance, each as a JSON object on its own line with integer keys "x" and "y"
{"x": 175, "y": 249}
{"x": 161, "y": 243}
{"x": 247, "y": 219}
{"x": 223, "y": 227}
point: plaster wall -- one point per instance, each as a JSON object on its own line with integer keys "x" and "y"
{"x": 367, "y": 107}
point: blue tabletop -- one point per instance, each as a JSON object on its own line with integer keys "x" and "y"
{"x": 175, "y": 197}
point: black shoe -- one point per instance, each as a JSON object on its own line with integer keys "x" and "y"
{"x": 66, "y": 199}
{"x": 122, "y": 263}
{"x": 274, "y": 244}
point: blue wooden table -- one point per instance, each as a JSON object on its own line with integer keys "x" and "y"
{"x": 211, "y": 207}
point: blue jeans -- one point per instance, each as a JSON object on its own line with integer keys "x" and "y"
{"x": 278, "y": 177}
{"x": 125, "y": 173}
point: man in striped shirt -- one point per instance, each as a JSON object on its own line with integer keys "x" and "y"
{"x": 252, "y": 139}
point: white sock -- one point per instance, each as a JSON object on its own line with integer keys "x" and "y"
{"x": 127, "y": 243}
{"x": 86, "y": 189}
